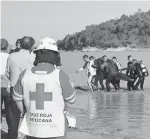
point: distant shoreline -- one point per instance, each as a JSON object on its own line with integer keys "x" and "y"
{"x": 122, "y": 49}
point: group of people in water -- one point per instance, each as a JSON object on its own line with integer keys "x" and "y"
{"x": 103, "y": 68}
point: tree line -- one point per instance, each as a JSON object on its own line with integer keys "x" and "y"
{"x": 133, "y": 30}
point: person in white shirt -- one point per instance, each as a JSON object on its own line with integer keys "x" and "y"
{"x": 5, "y": 95}
{"x": 18, "y": 62}
{"x": 92, "y": 72}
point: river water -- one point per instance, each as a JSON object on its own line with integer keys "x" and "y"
{"x": 114, "y": 115}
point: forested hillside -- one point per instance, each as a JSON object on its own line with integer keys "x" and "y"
{"x": 133, "y": 31}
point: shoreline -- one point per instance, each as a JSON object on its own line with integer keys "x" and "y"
{"x": 111, "y": 50}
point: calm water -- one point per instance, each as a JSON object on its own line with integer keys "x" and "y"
{"x": 123, "y": 115}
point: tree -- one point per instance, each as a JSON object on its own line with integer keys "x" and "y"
{"x": 115, "y": 32}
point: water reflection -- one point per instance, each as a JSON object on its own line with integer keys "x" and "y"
{"x": 129, "y": 112}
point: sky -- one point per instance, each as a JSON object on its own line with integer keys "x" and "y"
{"x": 57, "y": 19}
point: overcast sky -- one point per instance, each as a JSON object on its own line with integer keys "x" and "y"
{"x": 57, "y": 19}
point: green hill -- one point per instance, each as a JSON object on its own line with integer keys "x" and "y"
{"x": 133, "y": 31}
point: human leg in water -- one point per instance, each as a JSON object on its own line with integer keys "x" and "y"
{"x": 129, "y": 87}
{"x": 89, "y": 83}
{"x": 130, "y": 80}
{"x": 114, "y": 83}
{"x": 118, "y": 83}
{"x": 142, "y": 83}
{"x": 108, "y": 80}
{"x": 139, "y": 81}
{"x": 100, "y": 79}
{"x": 94, "y": 82}
{"x": 111, "y": 78}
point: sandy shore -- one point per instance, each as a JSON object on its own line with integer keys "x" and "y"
{"x": 72, "y": 134}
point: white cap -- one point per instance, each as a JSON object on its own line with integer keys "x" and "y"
{"x": 48, "y": 44}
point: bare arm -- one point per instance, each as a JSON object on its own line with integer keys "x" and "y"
{"x": 20, "y": 106}
{"x": 84, "y": 67}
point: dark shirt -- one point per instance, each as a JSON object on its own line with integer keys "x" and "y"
{"x": 97, "y": 66}
{"x": 137, "y": 69}
{"x": 111, "y": 68}
{"x": 134, "y": 70}
{"x": 129, "y": 71}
